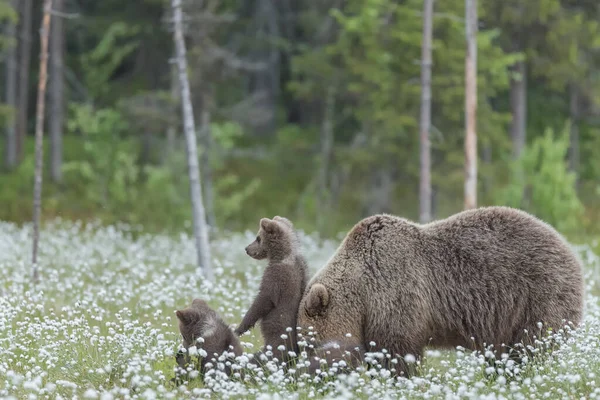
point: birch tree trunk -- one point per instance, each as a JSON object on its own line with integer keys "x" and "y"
{"x": 39, "y": 135}
{"x": 198, "y": 215}
{"x": 425, "y": 123}
{"x": 10, "y": 147}
{"x": 172, "y": 130}
{"x": 24, "y": 63}
{"x": 326, "y": 149}
{"x": 471, "y": 105}
{"x": 57, "y": 101}
{"x": 205, "y": 167}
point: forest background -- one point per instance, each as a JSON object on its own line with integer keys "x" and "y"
{"x": 304, "y": 109}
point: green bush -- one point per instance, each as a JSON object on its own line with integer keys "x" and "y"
{"x": 541, "y": 183}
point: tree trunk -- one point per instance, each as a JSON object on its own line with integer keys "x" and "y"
{"x": 471, "y": 105}
{"x": 518, "y": 105}
{"x": 24, "y": 64}
{"x": 205, "y": 166}
{"x": 200, "y": 228}
{"x": 326, "y": 149}
{"x": 10, "y": 148}
{"x": 39, "y": 135}
{"x": 57, "y": 100}
{"x": 172, "y": 129}
{"x": 574, "y": 156}
{"x": 425, "y": 123}
{"x": 488, "y": 181}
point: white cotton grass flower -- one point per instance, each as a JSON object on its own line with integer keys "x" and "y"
{"x": 100, "y": 325}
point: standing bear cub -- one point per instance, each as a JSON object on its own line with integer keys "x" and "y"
{"x": 281, "y": 287}
{"x": 489, "y": 276}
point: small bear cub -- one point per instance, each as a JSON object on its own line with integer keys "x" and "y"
{"x": 282, "y": 285}
{"x": 201, "y": 326}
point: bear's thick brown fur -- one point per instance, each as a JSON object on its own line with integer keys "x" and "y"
{"x": 480, "y": 277}
{"x": 283, "y": 283}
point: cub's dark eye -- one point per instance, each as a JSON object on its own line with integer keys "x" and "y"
{"x": 258, "y": 239}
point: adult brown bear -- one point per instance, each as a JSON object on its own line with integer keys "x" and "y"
{"x": 493, "y": 275}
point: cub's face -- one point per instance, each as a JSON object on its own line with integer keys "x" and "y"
{"x": 195, "y": 321}
{"x": 273, "y": 239}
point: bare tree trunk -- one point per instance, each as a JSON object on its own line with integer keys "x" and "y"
{"x": 57, "y": 100}
{"x": 205, "y": 167}
{"x": 471, "y": 105}
{"x": 518, "y": 105}
{"x": 574, "y": 156}
{"x": 39, "y": 135}
{"x": 486, "y": 158}
{"x": 10, "y": 148}
{"x": 326, "y": 148}
{"x": 200, "y": 228}
{"x": 425, "y": 151}
{"x": 24, "y": 64}
{"x": 172, "y": 130}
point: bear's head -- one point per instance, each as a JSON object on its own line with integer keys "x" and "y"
{"x": 326, "y": 319}
{"x": 276, "y": 240}
{"x": 202, "y": 327}
{"x": 197, "y": 320}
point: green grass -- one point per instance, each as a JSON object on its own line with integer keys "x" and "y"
{"x": 101, "y": 324}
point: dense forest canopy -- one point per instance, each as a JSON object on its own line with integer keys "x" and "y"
{"x": 304, "y": 109}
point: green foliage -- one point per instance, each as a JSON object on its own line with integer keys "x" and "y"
{"x": 100, "y": 64}
{"x": 109, "y": 165}
{"x": 7, "y": 12}
{"x": 226, "y": 134}
{"x": 541, "y": 183}
{"x": 119, "y": 164}
{"x": 108, "y": 174}
{"x": 17, "y": 190}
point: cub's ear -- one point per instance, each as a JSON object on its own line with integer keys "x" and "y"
{"x": 187, "y": 316}
{"x": 268, "y": 225}
{"x": 317, "y": 300}
{"x": 200, "y": 304}
{"x": 283, "y": 220}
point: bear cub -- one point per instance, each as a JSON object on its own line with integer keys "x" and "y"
{"x": 282, "y": 285}
{"x": 201, "y": 325}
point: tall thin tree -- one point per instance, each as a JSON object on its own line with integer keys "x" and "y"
{"x": 39, "y": 135}
{"x": 57, "y": 83}
{"x": 198, "y": 213}
{"x": 518, "y": 104}
{"x": 24, "y": 64}
{"x": 10, "y": 147}
{"x": 327, "y": 142}
{"x": 206, "y": 142}
{"x": 471, "y": 105}
{"x": 425, "y": 123}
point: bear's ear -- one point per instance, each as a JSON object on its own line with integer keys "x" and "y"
{"x": 199, "y": 304}
{"x": 283, "y": 220}
{"x": 268, "y": 226}
{"x": 317, "y": 300}
{"x": 187, "y": 316}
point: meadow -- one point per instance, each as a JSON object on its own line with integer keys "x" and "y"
{"x": 101, "y": 324}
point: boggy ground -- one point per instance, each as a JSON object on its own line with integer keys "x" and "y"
{"x": 101, "y": 324}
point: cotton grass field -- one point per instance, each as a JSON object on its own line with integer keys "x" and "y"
{"x": 101, "y": 325}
